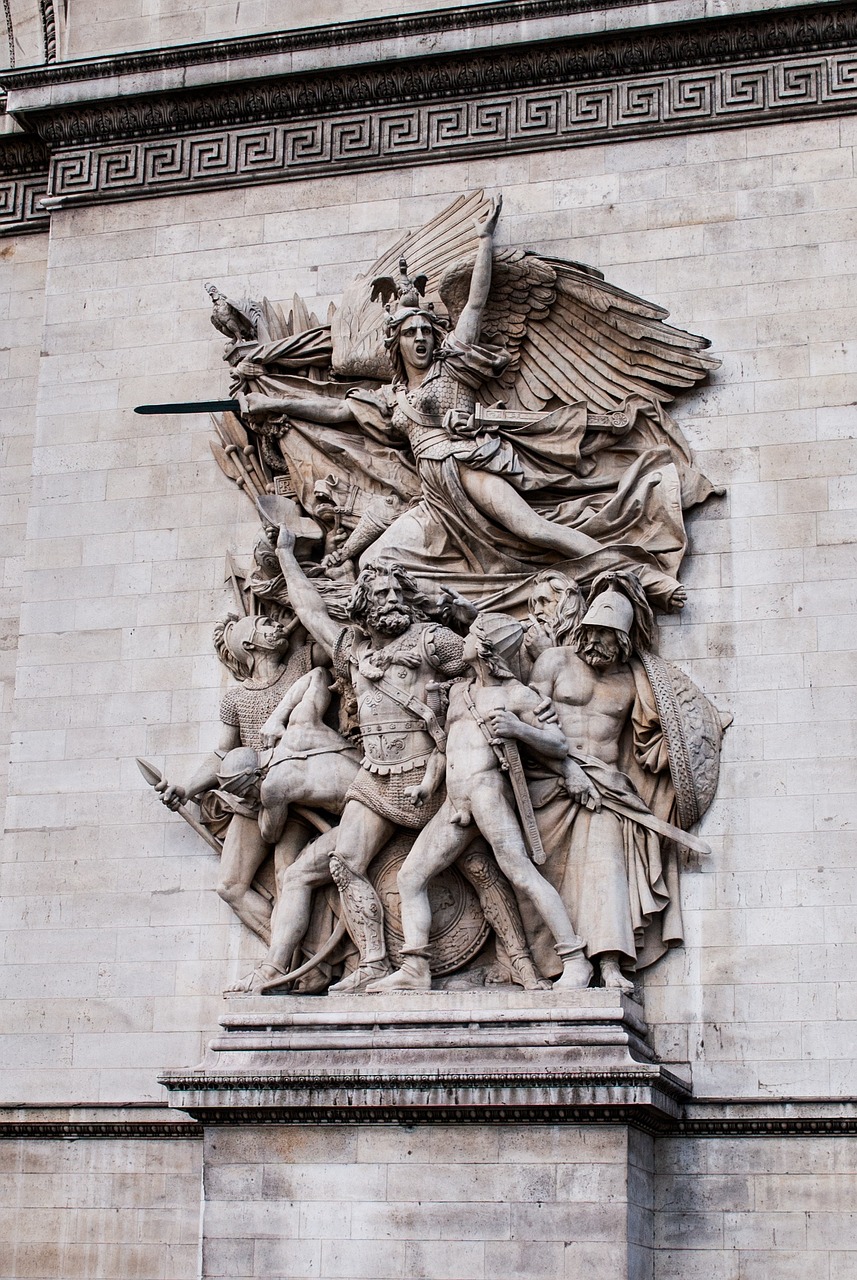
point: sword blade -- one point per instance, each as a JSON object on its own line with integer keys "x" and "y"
{"x": 659, "y": 826}
{"x": 524, "y": 801}
{"x": 192, "y": 406}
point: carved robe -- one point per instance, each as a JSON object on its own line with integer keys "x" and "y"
{"x": 618, "y": 880}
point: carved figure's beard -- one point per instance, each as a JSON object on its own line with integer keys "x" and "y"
{"x": 545, "y": 624}
{"x": 388, "y": 620}
{"x": 598, "y": 655}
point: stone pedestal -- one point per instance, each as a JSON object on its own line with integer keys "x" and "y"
{"x": 488, "y": 1055}
{"x": 448, "y": 1135}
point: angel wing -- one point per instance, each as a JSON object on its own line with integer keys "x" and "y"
{"x": 357, "y": 328}
{"x": 573, "y": 336}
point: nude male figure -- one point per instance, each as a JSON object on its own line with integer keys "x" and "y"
{"x": 490, "y": 707}
{"x": 262, "y": 654}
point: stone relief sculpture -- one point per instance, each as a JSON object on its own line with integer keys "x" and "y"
{"x": 452, "y": 742}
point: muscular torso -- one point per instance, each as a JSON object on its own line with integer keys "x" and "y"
{"x": 592, "y": 706}
{"x": 469, "y": 755}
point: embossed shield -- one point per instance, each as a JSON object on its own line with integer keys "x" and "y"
{"x": 458, "y": 927}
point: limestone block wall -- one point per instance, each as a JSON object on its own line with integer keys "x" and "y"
{"x": 22, "y": 291}
{"x": 119, "y": 1210}
{"x": 22, "y": 36}
{"x": 116, "y": 947}
{"x": 754, "y": 1208}
{"x": 458, "y": 1202}
{"x": 113, "y": 26}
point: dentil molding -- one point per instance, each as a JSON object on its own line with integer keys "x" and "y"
{"x": 121, "y": 128}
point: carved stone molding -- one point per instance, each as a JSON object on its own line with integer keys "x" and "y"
{"x": 496, "y": 124}
{"x": 328, "y": 36}
{"x": 49, "y": 29}
{"x": 443, "y": 1057}
{"x": 255, "y": 126}
{"x": 23, "y": 184}
{"x": 576, "y": 64}
{"x": 94, "y": 1120}
{"x": 712, "y": 1118}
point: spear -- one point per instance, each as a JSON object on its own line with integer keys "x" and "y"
{"x": 154, "y": 776}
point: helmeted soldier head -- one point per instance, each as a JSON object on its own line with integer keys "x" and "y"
{"x": 496, "y": 639}
{"x": 237, "y": 640}
{"x": 604, "y": 634}
{"x": 240, "y": 773}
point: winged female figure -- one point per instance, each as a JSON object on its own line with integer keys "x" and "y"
{"x": 585, "y": 470}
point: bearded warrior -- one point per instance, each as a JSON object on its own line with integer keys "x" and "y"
{"x": 495, "y": 434}
{"x": 643, "y": 743}
{"x": 401, "y": 665}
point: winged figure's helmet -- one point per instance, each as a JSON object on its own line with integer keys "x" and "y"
{"x": 403, "y": 298}
{"x": 407, "y": 290}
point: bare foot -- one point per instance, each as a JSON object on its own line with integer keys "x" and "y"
{"x": 360, "y": 979}
{"x": 414, "y": 975}
{"x": 612, "y": 976}
{"x": 256, "y": 980}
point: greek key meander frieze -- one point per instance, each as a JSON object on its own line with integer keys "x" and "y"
{"x": 719, "y": 45}
{"x": 20, "y": 198}
{"x": 576, "y": 115}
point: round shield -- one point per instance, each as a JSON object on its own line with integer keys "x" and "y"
{"x": 458, "y": 927}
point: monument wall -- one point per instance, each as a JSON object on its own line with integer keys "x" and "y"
{"x": 116, "y": 947}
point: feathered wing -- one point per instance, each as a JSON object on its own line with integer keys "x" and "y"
{"x": 584, "y": 339}
{"x": 357, "y": 328}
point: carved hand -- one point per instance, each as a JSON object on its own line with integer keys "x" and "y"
{"x": 172, "y": 796}
{"x": 271, "y": 732}
{"x": 285, "y": 539}
{"x": 260, "y": 406}
{"x": 418, "y": 794}
{"x": 451, "y": 604}
{"x": 580, "y": 788}
{"x": 505, "y": 724}
{"x": 537, "y": 640}
{"x": 489, "y": 226}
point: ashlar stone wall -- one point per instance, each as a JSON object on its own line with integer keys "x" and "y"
{"x": 125, "y": 1209}
{"x": 114, "y": 26}
{"x": 755, "y": 1208}
{"x": 115, "y": 947}
{"x": 22, "y": 306}
{"x": 430, "y": 1203}
{"x": 113, "y": 926}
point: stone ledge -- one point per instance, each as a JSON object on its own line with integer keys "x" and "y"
{"x": 94, "y": 1120}
{"x": 695, "y": 1118}
{"x": 488, "y": 1056}
{"x": 448, "y": 29}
